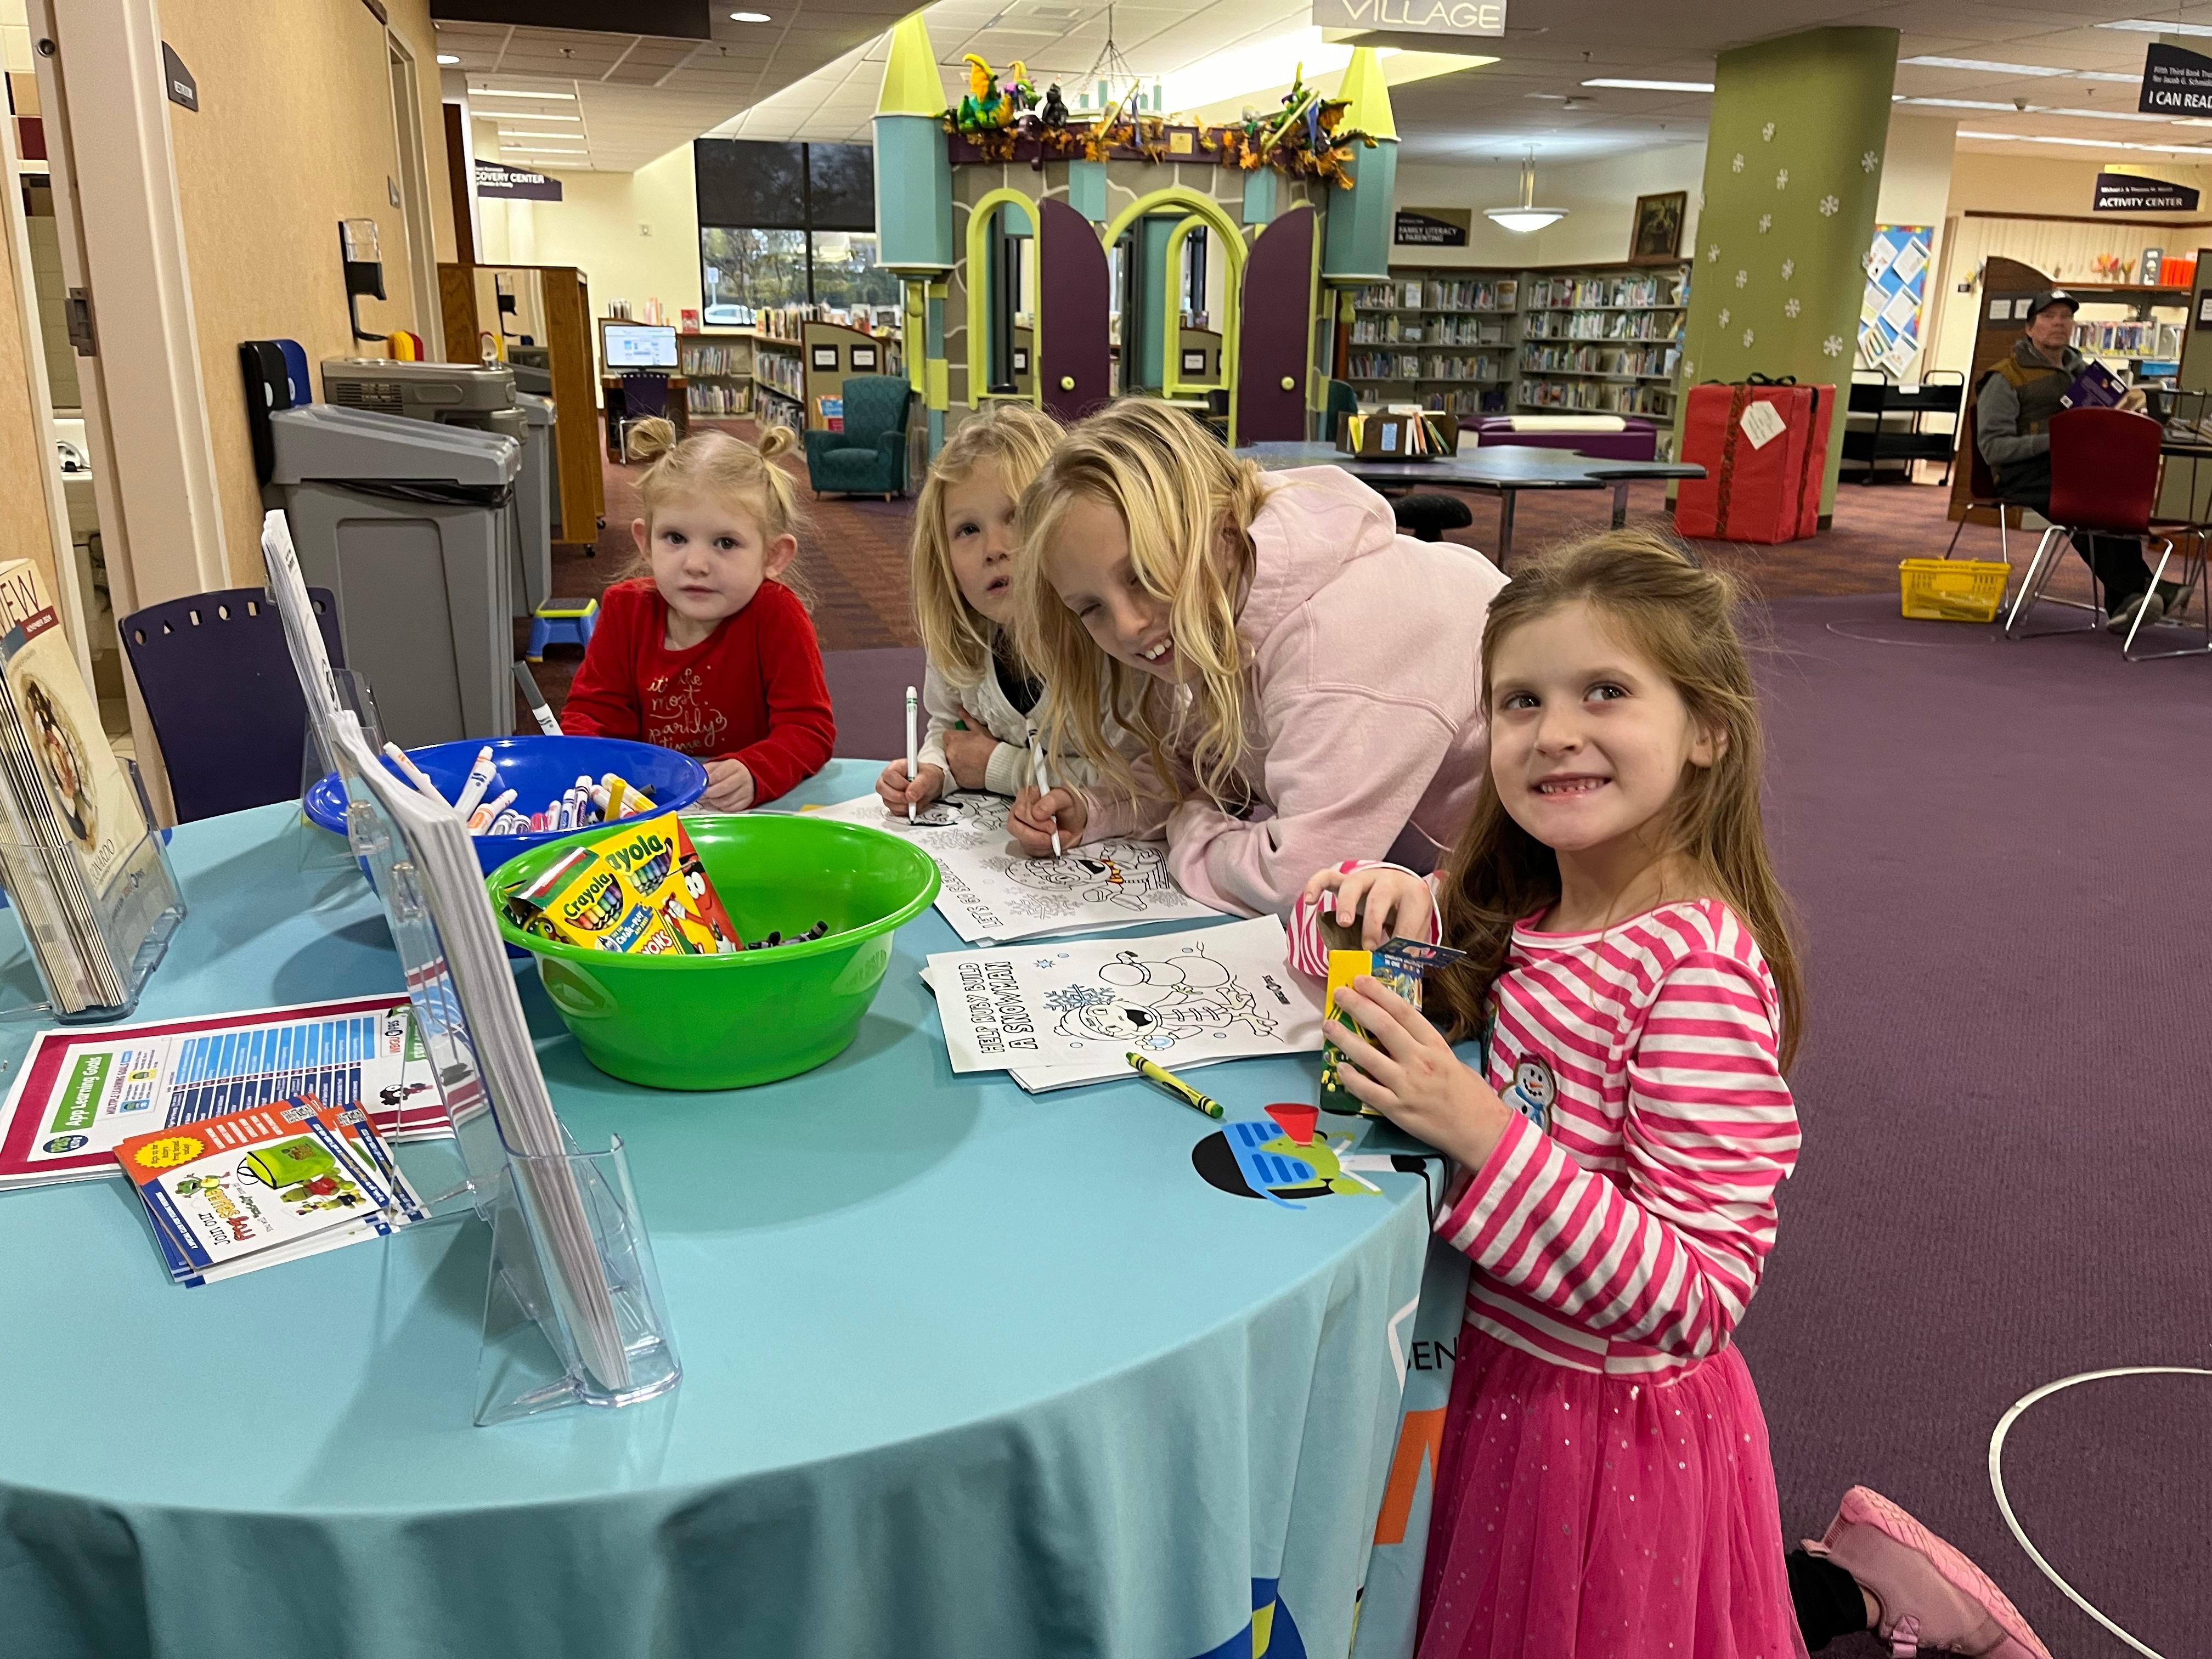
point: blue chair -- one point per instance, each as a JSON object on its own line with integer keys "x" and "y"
{"x": 868, "y": 458}
{"x": 1342, "y": 401}
{"x": 219, "y": 686}
{"x": 644, "y": 396}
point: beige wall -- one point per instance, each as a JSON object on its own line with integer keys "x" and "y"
{"x": 294, "y": 133}
{"x": 25, "y": 531}
{"x": 634, "y": 235}
{"x": 1916, "y": 186}
{"x": 1600, "y": 196}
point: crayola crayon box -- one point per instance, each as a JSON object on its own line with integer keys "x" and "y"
{"x": 640, "y": 889}
{"x": 1399, "y": 964}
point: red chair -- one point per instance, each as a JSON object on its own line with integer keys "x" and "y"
{"x": 2104, "y": 478}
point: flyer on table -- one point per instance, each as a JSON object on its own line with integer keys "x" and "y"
{"x": 82, "y": 1093}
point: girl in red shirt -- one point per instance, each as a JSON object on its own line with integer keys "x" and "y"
{"x": 714, "y": 655}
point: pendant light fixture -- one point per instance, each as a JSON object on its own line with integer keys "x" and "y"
{"x": 1527, "y": 216}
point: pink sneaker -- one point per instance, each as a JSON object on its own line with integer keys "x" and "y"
{"x": 1933, "y": 1599}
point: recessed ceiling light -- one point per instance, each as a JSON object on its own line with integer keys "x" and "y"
{"x": 505, "y": 135}
{"x": 522, "y": 115}
{"x": 1656, "y": 86}
{"x": 2032, "y": 109}
{"x": 2144, "y": 25}
{"x": 449, "y": 57}
{"x": 749, "y": 17}
{"x": 517, "y": 92}
{"x": 1983, "y": 65}
{"x": 1949, "y": 103}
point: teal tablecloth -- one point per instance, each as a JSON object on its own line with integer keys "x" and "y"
{"x": 967, "y": 1373}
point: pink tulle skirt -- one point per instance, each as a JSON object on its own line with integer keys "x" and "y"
{"x": 1580, "y": 1516}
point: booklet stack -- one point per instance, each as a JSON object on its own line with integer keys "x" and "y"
{"x": 273, "y": 1183}
{"x": 75, "y": 854}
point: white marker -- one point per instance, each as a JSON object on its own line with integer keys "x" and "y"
{"x": 487, "y": 813}
{"x": 583, "y": 793}
{"x": 913, "y": 750}
{"x": 1043, "y": 784}
{"x": 478, "y": 781}
{"x": 414, "y": 773}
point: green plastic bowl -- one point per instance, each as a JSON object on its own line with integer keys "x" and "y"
{"x": 671, "y": 1022}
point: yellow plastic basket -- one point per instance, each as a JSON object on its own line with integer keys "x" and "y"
{"x": 1951, "y": 590}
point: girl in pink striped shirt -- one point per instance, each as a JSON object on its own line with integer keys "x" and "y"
{"x": 1604, "y": 1485}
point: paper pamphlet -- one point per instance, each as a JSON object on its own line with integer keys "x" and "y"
{"x": 81, "y": 1093}
{"x": 1912, "y": 259}
{"x": 994, "y": 894}
{"x": 1902, "y": 314}
{"x": 1083, "y": 1006}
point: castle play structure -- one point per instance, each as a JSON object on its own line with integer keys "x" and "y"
{"x": 1066, "y": 260}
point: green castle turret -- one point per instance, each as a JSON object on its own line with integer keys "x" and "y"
{"x": 1356, "y": 248}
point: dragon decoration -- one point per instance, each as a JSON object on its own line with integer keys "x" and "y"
{"x": 1002, "y": 116}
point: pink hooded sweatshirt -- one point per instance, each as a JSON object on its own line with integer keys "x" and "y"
{"x": 1365, "y": 691}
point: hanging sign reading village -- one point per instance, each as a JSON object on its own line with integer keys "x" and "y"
{"x": 1480, "y": 17}
{"x": 2175, "y": 82}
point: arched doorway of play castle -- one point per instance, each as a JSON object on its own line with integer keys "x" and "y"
{"x": 1171, "y": 301}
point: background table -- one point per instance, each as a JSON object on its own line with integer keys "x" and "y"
{"x": 1502, "y": 470}
{"x": 967, "y": 1372}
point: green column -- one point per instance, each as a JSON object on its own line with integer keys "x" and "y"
{"x": 1793, "y": 166}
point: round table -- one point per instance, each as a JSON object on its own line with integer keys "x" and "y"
{"x": 966, "y": 1372}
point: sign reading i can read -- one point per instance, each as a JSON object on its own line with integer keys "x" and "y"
{"x": 1477, "y": 17}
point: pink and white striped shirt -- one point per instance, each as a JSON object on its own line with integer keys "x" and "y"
{"x": 1621, "y": 1223}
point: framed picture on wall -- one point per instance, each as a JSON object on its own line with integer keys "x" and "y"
{"x": 823, "y": 358}
{"x": 1656, "y": 236}
{"x": 864, "y": 357}
{"x": 1021, "y": 360}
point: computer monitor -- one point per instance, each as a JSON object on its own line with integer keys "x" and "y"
{"x": 639, "y": 345}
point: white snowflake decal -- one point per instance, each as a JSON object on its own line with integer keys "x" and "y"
{"x": 1741, "y": 278}
{"x": 1766, "y": 223}
{"x": 1724, "y": 316}
{"x": 1736, "y": 166}
{"x": 1712, "y": 252}
{"x": 1788, "y": 268}
{"x": 1828, "y": 206}
{"x": 1869, "y": 162}
{"x": 1782, "y": 179}
{"x": 1790, "y": 307}
{"x": 1834, "y": 345}
{"x": 1766, "y": 132}
{"x": 1747, "y": 340}
{"x": 1690, "y": 368}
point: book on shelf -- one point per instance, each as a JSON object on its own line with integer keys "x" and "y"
{"x": 78, "y": 857}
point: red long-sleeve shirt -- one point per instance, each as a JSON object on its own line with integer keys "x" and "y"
{"x": 750, "y": 691}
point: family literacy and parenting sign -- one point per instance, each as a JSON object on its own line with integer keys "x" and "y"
{"x": 1481, "y": 17}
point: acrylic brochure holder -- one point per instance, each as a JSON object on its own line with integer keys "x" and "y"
{"x": 131, "y": 924}
{"x": 573, "y": 1308}
{"x": 319, "y": 850}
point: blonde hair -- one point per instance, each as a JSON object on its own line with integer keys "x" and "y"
{"x": 1017, "y": 439}
{"x": 1649, "y": 587}
{"x": 1177, "y": 490}
{"x": 718, "y": 463}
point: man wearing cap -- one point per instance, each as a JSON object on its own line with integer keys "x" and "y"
{"x": 2012, "y": 423}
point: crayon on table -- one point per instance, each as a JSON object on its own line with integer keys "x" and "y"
{"x": 1176, "y": 1086}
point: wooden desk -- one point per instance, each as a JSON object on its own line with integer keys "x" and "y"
{"x": 610, "y": 396}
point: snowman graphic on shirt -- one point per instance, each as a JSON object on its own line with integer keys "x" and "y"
{"x": 1532, "y": 1091}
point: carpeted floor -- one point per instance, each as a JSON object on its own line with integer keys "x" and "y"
{"x": 2002, "y": 1076}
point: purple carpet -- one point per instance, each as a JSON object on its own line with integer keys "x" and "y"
{"x": 2004, "y": 1087}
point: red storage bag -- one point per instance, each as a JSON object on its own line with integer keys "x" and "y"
{"x": 1764, "y": 447}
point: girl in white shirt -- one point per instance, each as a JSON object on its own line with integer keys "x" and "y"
{"x": 980, "y": 700}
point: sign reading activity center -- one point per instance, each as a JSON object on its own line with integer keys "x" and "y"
{"x": 2130, "y": 193}
{"x": 1432, "y": 227}
{"x": 1483, "y": 17}
{"x": 2175, "y": 82}
{"x": 514, "y": 184}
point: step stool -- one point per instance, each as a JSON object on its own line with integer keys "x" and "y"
{"x": 561, "y": 622}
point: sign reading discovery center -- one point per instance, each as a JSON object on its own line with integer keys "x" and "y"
{"x": 515, "y": 183}
{"x": 1479, "y": 17}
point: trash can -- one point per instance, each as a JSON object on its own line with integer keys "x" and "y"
{"x": 533, "y": 496}
{"x": 412, "y": 524}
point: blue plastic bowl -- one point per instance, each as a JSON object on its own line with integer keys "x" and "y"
{"x": 538, "y": 768}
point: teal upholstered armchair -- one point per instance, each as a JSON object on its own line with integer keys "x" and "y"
{"x": 868, "y": 458}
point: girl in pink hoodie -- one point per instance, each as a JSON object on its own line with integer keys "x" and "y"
{"x": 1304, "y": 679}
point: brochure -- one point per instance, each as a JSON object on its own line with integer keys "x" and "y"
{"x": 81, "y": 1093}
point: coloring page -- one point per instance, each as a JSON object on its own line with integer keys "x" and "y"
{"x": 1177, "y": 998}
{"x": 994, "y": 894}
